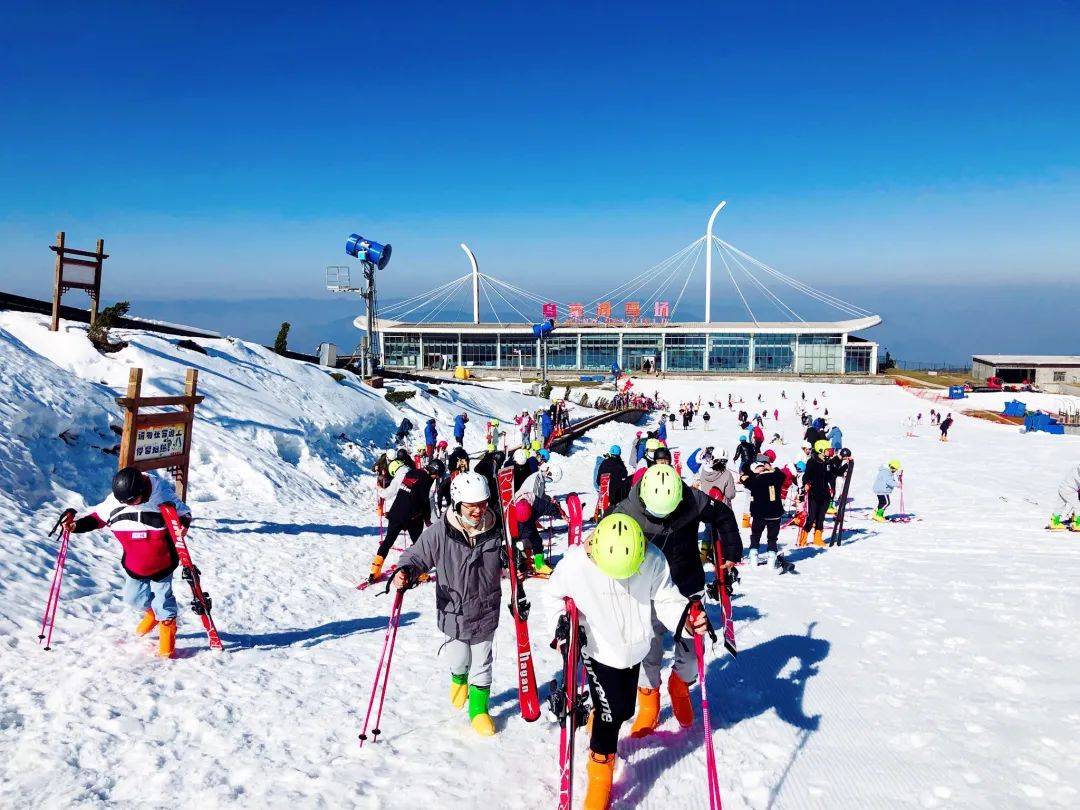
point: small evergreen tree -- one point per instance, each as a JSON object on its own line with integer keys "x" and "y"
{"x": 281, "y": 342}
{"x": 106, "y": 320}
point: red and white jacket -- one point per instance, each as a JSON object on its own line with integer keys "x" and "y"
{"x": 140, "y": 529}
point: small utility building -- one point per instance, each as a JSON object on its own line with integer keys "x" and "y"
{"x": 1045, "y": 370}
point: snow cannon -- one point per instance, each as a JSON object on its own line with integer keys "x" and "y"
{"x": 542, "y": 330}
{"x": 367, "y": 250}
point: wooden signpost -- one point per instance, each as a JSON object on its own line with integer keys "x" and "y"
{"x": 153, "y": 441}
{"x": 76, "y": 274}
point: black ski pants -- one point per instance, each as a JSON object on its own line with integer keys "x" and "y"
{"x": 816, "y": 507}
{"x": 883, "y": 501}
{"x": 414, "y": 526}
{"x": 614, "y": 699}
{"x": 771, "y": 527}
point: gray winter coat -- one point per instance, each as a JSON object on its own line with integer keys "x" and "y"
{"x": 468, "y": 588}
{"x": 723, "y": 480}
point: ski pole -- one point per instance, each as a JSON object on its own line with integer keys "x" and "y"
{"x": 53, "y": 603}
{"x": 391, "y": 635}
{"x": 710, "y": 752}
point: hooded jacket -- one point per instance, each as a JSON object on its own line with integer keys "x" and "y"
{"x": 677, "y": 534}
{"x": 431, "y": 434}
{"x": 459, "y": 426}
{"x": 886, "y": 481}
{"x": 469, "y": 585}
{"x": 722, "y": 480}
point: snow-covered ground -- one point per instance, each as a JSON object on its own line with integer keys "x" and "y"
{"x": 923, "y": 664}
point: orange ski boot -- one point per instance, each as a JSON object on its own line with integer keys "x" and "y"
{"x": 648, "y": 712}
{"x": 819, "y": 541}
{"x": 601, "y": 770}
{"x": 376, "y": 568}
{"x": 167, "y": 638}
{"x": 681, "y": 706}
{"x": 147, "y": 623}
{"x": 801, "y": 542}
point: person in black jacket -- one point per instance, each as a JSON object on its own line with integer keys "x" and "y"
{"x": 409, "y": 496}
{"x": 766, "y": 485}
{"x": 671, "y": 514}
{"x": 488, "y": 466}
{"x": 618, "y": 478}
{"x": 817, "y": 484}
{"x": 745, "y": 454}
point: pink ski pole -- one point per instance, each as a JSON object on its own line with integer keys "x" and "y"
{"x": 710, "y": 753}
{"x": 53, "y": 603}
{"x": 391, "y": 631}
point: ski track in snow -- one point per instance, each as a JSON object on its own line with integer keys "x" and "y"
{"x": 927, "y": 664}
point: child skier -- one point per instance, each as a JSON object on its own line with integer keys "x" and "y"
{"x": 817, "y": 484}
{"x": 946, "y": 423}
{"x": 888, "y": 478}
{"x": 1068, "y": 510}
{"x": 765, "y": 484}
{"x": 465, "y": 550}
{"x": 621, "y": 585}
{"x": 133, "y": 514}
{"x": 409, "y": 496}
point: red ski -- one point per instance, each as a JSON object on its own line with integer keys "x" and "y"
{"x": 200, "y": 602}
{"x": 528, "y": 697}
{"x": 603, "y": 499}
{"x": 569, "y": 702}
{"x": 574, "y": 518}
{"x": 721, "y": 588}
{"x": 385, "y": 575}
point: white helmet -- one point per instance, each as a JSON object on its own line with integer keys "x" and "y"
{"x": 521, "y": 456}
{"x": 722, "y": 455}
{"x": 469, "y": 487}
{"x": 553, "y": 474}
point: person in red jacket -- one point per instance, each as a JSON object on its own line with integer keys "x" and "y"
{"x": 133, "y": 513}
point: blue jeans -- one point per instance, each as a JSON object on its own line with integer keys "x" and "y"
{"x": 146, "y": 593}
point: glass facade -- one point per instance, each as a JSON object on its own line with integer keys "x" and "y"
{"x": 478, "y": 350}
{"x": 685, "y": 352}
{"x": 820, "y": 354}
{"x": 857, "y": 358}
{"x": 599, "y": 351}
{"x": 440, "y": 351}
{"x": 562, "y": 351}
{"x": 401, "y": 350}
{"x": 774, "y": 353}
{"x": 639, "y": 348}
{"x": 515, "y": 343}
{"x": 729, "y": 352}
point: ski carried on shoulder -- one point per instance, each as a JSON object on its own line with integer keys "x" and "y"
{"x": 603, "y": 498}
{"x": 721, "y": 587}
{"x": 574, "y": 518}
{"x": 841, "y": 510}
{"x": 200, "y": 602}
{"x": 528, "y": 696}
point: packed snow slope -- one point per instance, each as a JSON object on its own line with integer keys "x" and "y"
{"x": 926, "y": 664}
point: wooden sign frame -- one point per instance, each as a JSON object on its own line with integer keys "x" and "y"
{"x": 64, "y": 258}
{"x": 178, "y": 421}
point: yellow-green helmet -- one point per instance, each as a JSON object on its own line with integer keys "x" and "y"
{"x": 651, "y": 445}
{"x": 537, "y": 444}
{"x": 894, "y": 464}
{"x": 490, "y": 447}
{"x": 394, "y": 466}
{"x": 821, "y": 446}
{"x": 661, "y": 490}
{"x": 617, "y": 546}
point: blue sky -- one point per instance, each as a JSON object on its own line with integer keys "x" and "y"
{"x": 226, "y": 151}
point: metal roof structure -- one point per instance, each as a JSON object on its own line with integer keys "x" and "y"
{"x": 1066, "y": 360}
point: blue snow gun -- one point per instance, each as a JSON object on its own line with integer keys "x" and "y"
{"x": 367, "y": 251}
{"x": 542, "y": 330}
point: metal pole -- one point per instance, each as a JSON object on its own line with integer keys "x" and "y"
{"x": 475, "y": 283}
{"x": 708, "y": 262}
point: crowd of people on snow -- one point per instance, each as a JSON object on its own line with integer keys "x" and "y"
{"x": 662, "y": 524}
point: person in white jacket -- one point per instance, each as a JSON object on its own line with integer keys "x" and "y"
{"x": 616, "y": 581}
{"x": 1067, "y": 511}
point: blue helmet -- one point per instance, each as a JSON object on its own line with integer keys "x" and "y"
{"x": 800, "y": 466}
{"x": 615, "y": 450}
{"x": 744, "y": 438}
{"x": 819, "y": 423}
{"x": 544, "y": 454}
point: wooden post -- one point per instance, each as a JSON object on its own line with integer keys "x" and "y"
{"x": 57, "y": 280}
{"x": 95, "y": 294}
{"x": 127, "y": 442}
{"x": 191, "y": 385}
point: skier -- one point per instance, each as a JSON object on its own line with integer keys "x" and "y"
{"x": 765, "y": 484}
{"x": 402, "y": 434}
{"x": 409, "y": 496}
{"x": 1068, "y": 508}
{"x": 460, "y": 421}
{"x": 440, "y": 478}
{"x": 465, "y": 550}
{"x": 946, "y": 423}
{"x": 497, "y": 434}
{"x": 638, "y": 451}
{"x": 431, "y": 436}
{"x": 716, "y": 475}
{"x": 836, "y": 438}
{"x": 547, "y": 426}
{"x": 818, "y": 494}
{"x": 489, "y": 465}
{"x": 745, "y": 453}
{"x": 618, "y": 481}
{"x": 670, "y": 513}
{"x": 705, "y": 418}
{"x": 661, "y": 432}
{"x": 530, "y": 503}
{"x": 620, "y": 584}
{"x": 132, "y": 512}
{"x": 888, "y": 479}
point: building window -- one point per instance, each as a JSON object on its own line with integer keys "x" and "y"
{"x": 561, "y": 351}
{"x": 401, "y": 350}
{"x": 637, "y": 349}
{"x": 774, "y": 353}
{"x": 478, "y": 350}
{"x": 729, "y": 352}
{"x": 857, "y": 358}
{"x": 599, "y": 351}
{"x": 1059, "y": 376}
{"x": 685, "y": 352}
{"x": 440, "y": 351}
{"x": 820, "y": 354}
{"x": 511, "y": 344}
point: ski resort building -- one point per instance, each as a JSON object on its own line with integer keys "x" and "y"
{"x": 633, "y": 326}
{"x": 1045, "y": 370}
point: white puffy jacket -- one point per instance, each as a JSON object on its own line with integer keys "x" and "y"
{"x": 616, "y": 614}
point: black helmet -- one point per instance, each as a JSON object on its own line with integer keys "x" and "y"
{"x": 129, "y": 485}
{"x": 661, "y": 456}
{"x": 845, "y": 453}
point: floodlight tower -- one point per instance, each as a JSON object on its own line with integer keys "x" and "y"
{"x": 372, "y": 255}
{"x": 708, "y": 262}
